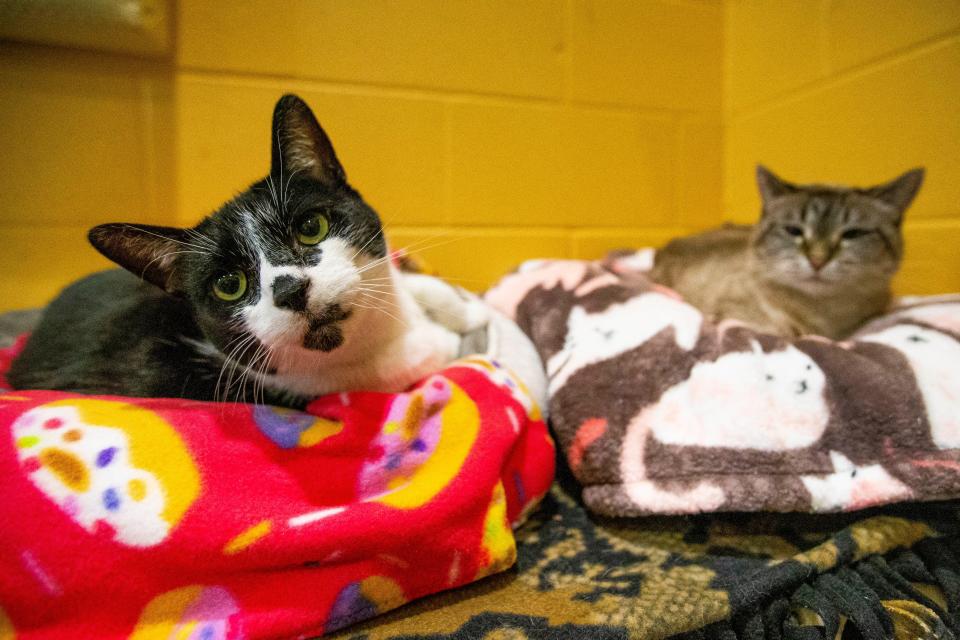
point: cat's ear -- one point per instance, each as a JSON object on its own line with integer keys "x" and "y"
{"x": 772, "y": 186}
{"x": 301, "y": 146}
{"x": 898, "y": 193}
{"x": 146, "y": 251}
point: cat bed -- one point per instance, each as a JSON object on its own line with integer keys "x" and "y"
{"x": 144, "y": 518}
{"x": 661, "y": 412}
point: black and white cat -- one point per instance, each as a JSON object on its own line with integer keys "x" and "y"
{"x": 283, "y": 294}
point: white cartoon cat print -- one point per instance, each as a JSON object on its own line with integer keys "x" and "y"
{"x": 594, "y": 337}
{"x": 752, "y": 400}
{"x": 933, "y": 356}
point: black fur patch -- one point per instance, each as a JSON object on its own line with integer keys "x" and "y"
{"x": 324, "y": 334}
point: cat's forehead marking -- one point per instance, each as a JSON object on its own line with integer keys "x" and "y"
{"x": 251, "y": 229}
{"x": 266, "y": 235}
{"x": 820, "y": 210}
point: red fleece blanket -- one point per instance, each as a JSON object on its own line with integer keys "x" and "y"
{"x": 163, "y": 518}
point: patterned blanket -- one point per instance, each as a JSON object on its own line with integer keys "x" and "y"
{"x": 164, "y": 518}
{"x": 661, "y": 412}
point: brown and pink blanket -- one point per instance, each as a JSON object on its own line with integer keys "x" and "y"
{"x": 661, "y": 412}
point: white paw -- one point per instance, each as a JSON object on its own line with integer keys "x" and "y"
{"x": 451, "y": 307}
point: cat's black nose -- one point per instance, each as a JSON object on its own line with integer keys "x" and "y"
{"x": 290, "y": 292}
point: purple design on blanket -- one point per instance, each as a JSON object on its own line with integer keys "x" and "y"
{"x": 282, "y": 426}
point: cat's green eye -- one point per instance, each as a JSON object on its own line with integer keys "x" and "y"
{"x": 312, "y": 228}
{"x": 853, "y": 234}
{"x": 230, "y": 286}
{"x": 793, "y": 230}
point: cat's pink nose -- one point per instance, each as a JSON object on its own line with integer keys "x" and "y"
{"x": 817, "y": 259}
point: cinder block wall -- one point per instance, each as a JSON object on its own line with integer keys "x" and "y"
{"x": 488, "y": 132}
{"x": 850, "y": 91}
{"x": 84, "y": 138}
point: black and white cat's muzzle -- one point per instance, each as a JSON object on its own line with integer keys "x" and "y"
{"x": 322, "y": 333}
{"x": 323, "y": 330}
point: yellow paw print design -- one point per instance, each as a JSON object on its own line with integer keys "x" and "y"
{"x": 110, "y": 466}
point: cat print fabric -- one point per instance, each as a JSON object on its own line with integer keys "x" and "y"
{"x": 593, "y": 337}
{"x": 214, "y": 521}
{"x": 751, "y": 400}
{"x": 660, "y": 411}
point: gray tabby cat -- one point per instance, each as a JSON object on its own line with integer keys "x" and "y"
{"x": 819, "y": 261}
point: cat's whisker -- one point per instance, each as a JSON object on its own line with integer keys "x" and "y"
{"x": 204, "y": 241}
{"x": 384, "y": 311}
{"x": 221, "y": 393}
{"x": 416, "y": 245}
{"x": 164, "y": 256}
{"x": 386, "y": 283}
{"x": 378, "y": 295}
{"x": 390, "y": 255}
{"x": 286, "y": 189}
{"x": 374, "y": 264}
{"x": 273, "y": 192}
{"x": 264, "y": 372}
{"x": 258, "y": 377}
{"x": 238, "y": 363}
{"x": 370, "y": 306}
{"x": 410, "y": 251}
{"x": 229, "y": 358}
{"x": 174, "y": 240}
{"x": 378, "y": 234}
{"x": 364, "y": 302}
{"x": 157, "y": 235}
{"x": 280, "y": 165}
{"x": 241, "y": 384}
{"x": 432, "y": 309}
{"x": 250, "y": 373}
{"x": 377, "y": 292}
{"x": 383, "y": 282}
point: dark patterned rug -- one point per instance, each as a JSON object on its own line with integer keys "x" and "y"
{"x": 890, "y": 572}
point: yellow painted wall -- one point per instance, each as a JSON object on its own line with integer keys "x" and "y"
{"x": 84, "y": 138}
{"x": 850, "y": 91}
{"x": 487, "y": 132}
